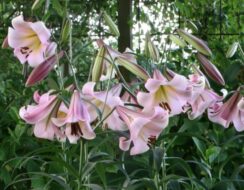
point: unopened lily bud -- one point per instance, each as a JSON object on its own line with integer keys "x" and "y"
{"x": 132, "y": 67}
{"x": 177, "y": 40}
{"x": 232, "y": 50}
{"x": 197, "y": 43}
{"x": 112, "y": 26}
{"x": 42, "y": 70}
{"x": 98, "y": 64}
{"x": 150, "y": 49}
{"x": 5, "y": 42}
{"x": 210, "y": 69}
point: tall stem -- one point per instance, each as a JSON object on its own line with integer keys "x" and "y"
{"x": 71, "y": 56}
{"x": 65, "y": 160}
{"x": 164, "y": 167}
{"x": 80, "y": 163}
{"x": 87, "y": 178}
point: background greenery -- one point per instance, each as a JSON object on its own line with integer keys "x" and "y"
{"x": 198, "y": 154}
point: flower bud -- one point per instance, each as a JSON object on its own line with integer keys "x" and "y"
{"x": 232, "y": 50}
{"x": 210, "y": 69}
{"x": 98, "y": 64}
{"x": 132, "y": 67}
{"x": 42, "y": 70}
{"x": 150, "y": 49}
{"x": 112, "y": 26}
{"x": 177, "y": 40}
{"x": 197, "y": 43}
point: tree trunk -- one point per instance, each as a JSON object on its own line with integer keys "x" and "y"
{"x": 125, "y": 38}
{"x": 124, "y": 17}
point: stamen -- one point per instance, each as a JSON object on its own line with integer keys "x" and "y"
{"x": 165, "y": 106}
{"x": 151, "y": 140}
{"x": 75, "y": 129}
{"x": 24, "y": 50}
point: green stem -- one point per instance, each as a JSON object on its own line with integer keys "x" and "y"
{"x": 87, "y": 178}
{"x": 65, "y": 160}
{"x": 242, "y": 53}
{"x": 80, "y": 163}
{"x": 107, "y": 89}
{"x": 164, "y": 167}
{"x": 46, "y": 6}
{"x": 71, "y": 56}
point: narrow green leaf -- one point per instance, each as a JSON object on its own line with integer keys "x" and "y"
{"x": 212, "y": 153}
{"x": 200, "y": 146}
{"x": 37, "y": 4}
{"x": 65, "y": 31}
{"x": 58, "y": 7}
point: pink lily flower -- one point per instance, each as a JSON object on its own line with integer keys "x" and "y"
{"x": 105, "y": 102}
{"x": 232, "y": 111}
{"x": 171, "y": 94}
{"x": 144, "y": 128}
{"x": 202, "y": 97}
{"x": 77, "y": 120}
{"x": 30, "y": 40}
{"x": 39, "y": 115}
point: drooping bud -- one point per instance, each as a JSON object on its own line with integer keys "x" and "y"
{"x": 197, "y": 43}
{"x": 232, "y": 50}
{"x": 177, "y": 40}
{"x": 42, "y": 70}
{"x": 150, "y": 49}
{"x": 98, "y": 64}
{"x": 210, "y": 69}
{"x": 112, "y": 26}
{"x": 5, "y": 43}
{"x": 132, "y": 67}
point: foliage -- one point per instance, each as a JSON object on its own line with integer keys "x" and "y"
{"x": 188, "y": 155}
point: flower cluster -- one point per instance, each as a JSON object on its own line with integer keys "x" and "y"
{"x": 141, "y": 114}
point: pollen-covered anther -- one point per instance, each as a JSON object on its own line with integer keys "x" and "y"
{"x": 151, "y": 140}
{"x": 75, "y": 129}
{"x": 165, "y": 106}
